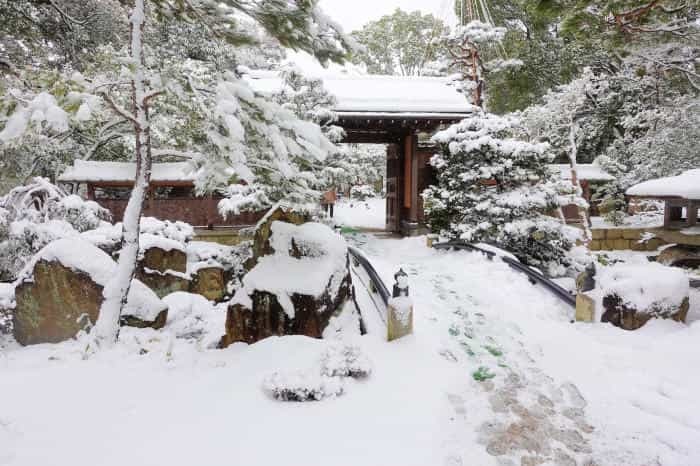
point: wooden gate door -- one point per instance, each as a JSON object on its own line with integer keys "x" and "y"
{"x": 393, "y": 170}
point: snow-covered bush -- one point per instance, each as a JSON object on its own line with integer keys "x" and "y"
{"x": 345, "y": 361}
{"x": 33, "y": 215}
{"x": 495, "y": 187}
{"x": 7, "y": 304}
{"x": 302, "y": 386}
{"x": 337, "y": 362}
{"x": 362, "y": 192}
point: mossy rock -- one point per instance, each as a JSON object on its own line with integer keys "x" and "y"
{"x": 261, "y": 239}
{"x": 268, "y": 318}
{"x": 209, "y": 282}
{"x": 162, "y": 260}
{"x": 56, "y": 305}
{"x": 163, "y": 283}
{"x": 621, "y": 315}
{"x": 57, "y": 302}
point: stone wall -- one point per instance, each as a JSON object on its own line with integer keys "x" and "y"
{"x": 614, "y": 239}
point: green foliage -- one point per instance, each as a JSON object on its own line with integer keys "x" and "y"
{"x": 400, "y": 44}
{"x": 495, "y": 187}
{"x": 482, "y": 374}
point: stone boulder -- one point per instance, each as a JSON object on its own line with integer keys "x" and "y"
{"x": 680, "y": 256}
{"x": 263, "y": 230}
{"x": 632, "y": 294}
{"x": 626, "y": 316}
{"x": 215, "y": 269}
{"x": 295, "y": 289}
{"x": 59, "y": 293}
{"x": 209, "y": 282}
{"x": 162, "y": 265}
{"x": 163, "y": 283}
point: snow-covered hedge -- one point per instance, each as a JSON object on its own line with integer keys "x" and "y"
{"x": 33, "y": 215}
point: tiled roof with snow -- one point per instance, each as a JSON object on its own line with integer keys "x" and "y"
{"x": 686, "y": 185}
{"x": 94, "y": 171}
{"x": 380, "y": 94}
{"x": 585, "y": 171}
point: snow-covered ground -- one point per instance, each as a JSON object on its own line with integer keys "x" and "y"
{"x": 560, "y": 392}
{"x": 370, "y": 213}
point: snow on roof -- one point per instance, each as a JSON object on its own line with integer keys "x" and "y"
{"x": 686, "y": 185}
{"x": 586, "y": 171}
{"x": 88, "y": 170}
{"x": 375, "y": 93}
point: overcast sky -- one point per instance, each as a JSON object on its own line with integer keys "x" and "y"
{"x": 353, "y": 14}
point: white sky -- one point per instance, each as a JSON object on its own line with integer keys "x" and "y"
{"x": 353, "y": 14}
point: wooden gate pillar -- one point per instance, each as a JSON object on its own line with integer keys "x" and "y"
{"x": 393, "y": 187}
{"x": 410, "y": 216}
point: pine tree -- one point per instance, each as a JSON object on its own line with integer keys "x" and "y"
{"x": 495, "y": 187}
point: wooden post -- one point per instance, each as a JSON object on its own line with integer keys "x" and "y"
{"x": 692, "y": 213}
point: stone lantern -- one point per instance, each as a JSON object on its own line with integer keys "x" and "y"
{"x": 399, "y": 308}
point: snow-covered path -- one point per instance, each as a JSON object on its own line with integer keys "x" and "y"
{"x": 576, "y": 391}
{"x": 560, "y": 392}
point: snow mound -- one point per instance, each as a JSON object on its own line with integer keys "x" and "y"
{"x": 148, "y": 241}
{"x": 685, "y": 185}
{"x": 177, "y": 231}
{"x": 322, "y": 254}
{"x": 82, "y": 256}
{"x": 644, "y": 285}
{"x": 191, "y": 316}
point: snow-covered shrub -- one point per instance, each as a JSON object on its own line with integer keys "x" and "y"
{"x": 345, "y": 361}
{"x": 33, "y": 215}
{"x": 495, "y": 187}
{"x": 336, "y": 363}
{"x": 7, "y": 304}
{"x": 362, "y": 192}
{"x": 302, "y": 386}
{"x": 82, "y": 215}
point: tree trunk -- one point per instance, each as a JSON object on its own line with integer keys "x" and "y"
{"x": 117, "y": 289}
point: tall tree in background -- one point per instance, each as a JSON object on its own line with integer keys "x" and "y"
{"x": 400, "y": 44}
